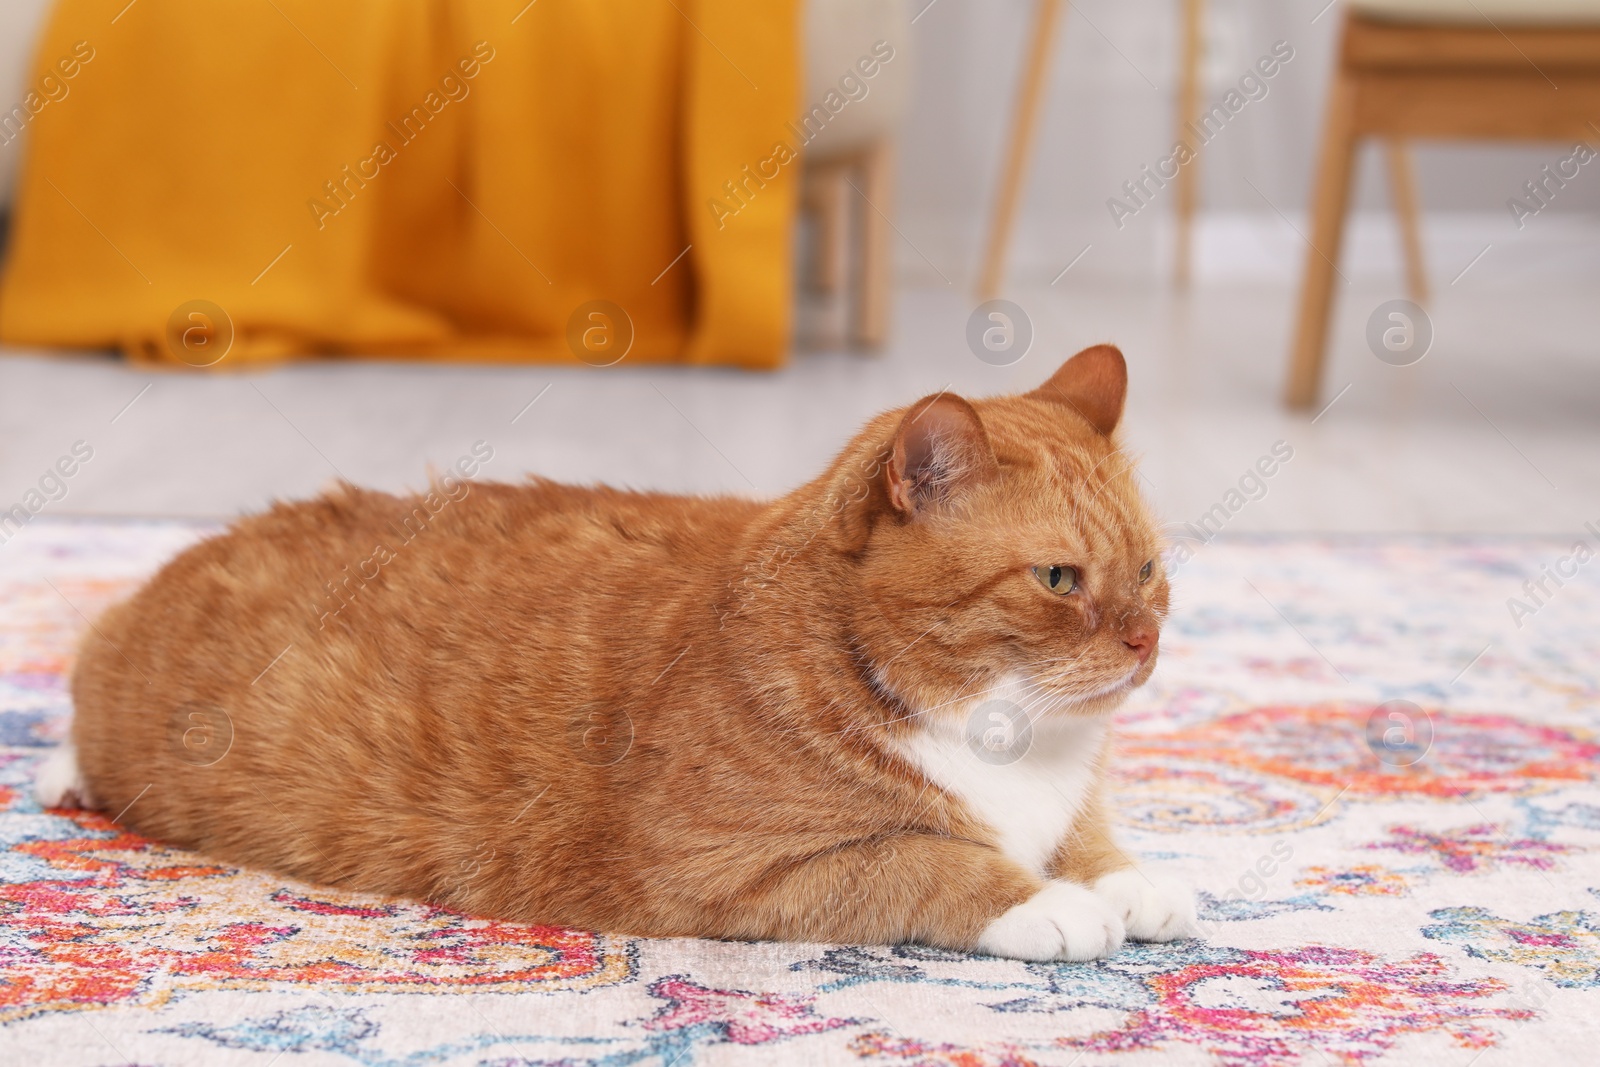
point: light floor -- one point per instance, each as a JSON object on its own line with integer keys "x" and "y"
{"x": 1496, "y": 430}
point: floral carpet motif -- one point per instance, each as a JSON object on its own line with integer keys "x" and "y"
{"x": 1431, "y": 900}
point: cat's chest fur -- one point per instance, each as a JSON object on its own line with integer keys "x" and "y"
{"x": 1030, "y": 795}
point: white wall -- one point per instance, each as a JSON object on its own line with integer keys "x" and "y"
{"x": 1108, "y": 111}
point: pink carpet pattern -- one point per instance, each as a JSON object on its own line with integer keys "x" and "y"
{"x": 1385, "y": 789}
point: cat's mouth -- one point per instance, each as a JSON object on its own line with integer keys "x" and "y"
{"x": 1121, "y": 685}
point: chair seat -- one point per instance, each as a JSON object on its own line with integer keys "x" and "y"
{"x": 1484, "y": 12}
{"x": 1527, "y": 49}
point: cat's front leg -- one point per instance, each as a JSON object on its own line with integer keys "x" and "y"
{"x": 1067, "y": 921}
{"x": 1151, "y": 906}
{"x": 921, "y": 888}
{"x": 934, "y": 890}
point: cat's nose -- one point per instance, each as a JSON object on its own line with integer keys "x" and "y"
{"x": 1142, "y": 639}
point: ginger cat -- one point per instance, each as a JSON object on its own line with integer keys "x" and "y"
{"x": 872, "y": 711}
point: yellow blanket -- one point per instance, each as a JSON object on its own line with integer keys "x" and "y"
{"x": 488, "y": 180}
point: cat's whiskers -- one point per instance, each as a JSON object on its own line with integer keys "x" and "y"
{"x": 1033, "y": 689}
{"x": 1050, "y": 700}
{"x": 1076, "y": 694}
{"x": 1028, "y": 690}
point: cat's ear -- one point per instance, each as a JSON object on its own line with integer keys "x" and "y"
{"x": 1094, "y": 383}
{"x": 940, "y": 449}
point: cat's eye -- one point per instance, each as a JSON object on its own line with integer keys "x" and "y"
{"x": 1059, "y": 580}
{"x": 1144, "y": 572}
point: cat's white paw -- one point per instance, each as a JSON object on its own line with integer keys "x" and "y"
{"x": 1152, "y": 907}
{"x": 1062, "y": 921}
{"x": 59, "y": 783}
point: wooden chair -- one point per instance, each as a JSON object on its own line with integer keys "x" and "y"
{"x": 1438, "y": 69}
{"x": 1191, "y": 106}
{"x": 850, "y": 198}
{"x": 1190, "y": 112}
{"x": 847, "y": 188}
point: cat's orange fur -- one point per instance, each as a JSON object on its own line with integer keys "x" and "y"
{"x": 643, "y": 713}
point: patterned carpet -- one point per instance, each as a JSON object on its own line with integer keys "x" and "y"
{"x": 1384, "y": 787}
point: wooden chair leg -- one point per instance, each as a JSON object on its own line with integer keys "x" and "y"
{"x": 1403, "y": 187}
{"x": 1188, "y": 110}
{"x": 875, "y": 276}
{"x": 1329, "y": 205}
{"x": 826, "y": 198}
{"x": 1024, "y": 118}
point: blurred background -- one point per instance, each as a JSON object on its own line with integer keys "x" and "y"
{"x": 693, "y": 246}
